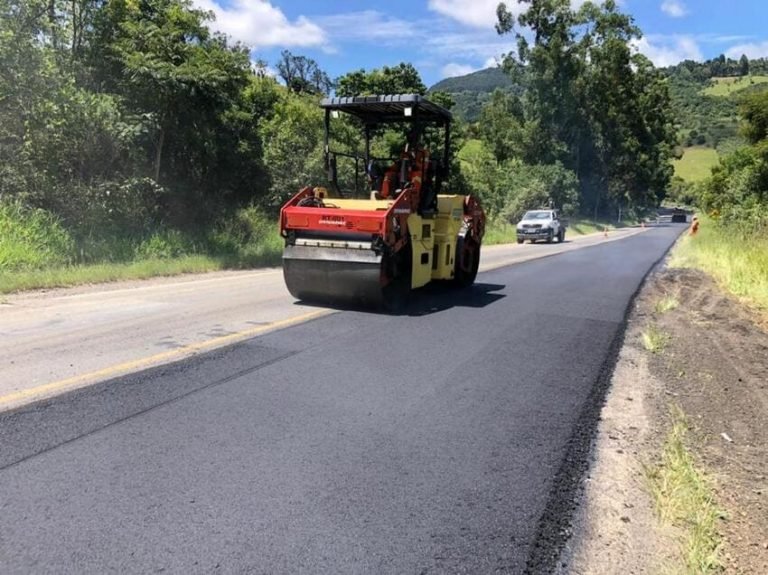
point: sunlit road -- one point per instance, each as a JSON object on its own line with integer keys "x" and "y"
{"x": 443, "y": 440}
{"x": 64, "y": 339}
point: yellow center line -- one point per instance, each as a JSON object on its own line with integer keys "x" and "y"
{"x": 164, "y": 357}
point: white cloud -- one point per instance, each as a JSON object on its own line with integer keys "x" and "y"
{"x": 752, "y": 50}
{"x": 258, "y": 23}
{"x": 723, "y": 39}
{"x": 370, "y": 25}
{"x": 453, "y": 69}
{"x": 669, "y": 50}
{"x": 674, "y": 8}
{"x": 470, "y": 45}
{"x": 479, "y": 13}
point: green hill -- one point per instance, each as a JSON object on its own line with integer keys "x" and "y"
{"x": 481, "y": 81}
{"x": 471, "y": 91}
{"x": 705, "y": 98}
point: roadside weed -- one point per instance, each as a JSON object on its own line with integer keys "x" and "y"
{"x": 654, "y": 340}
{"x": 683, "y": 497}
{"x": 667, "y": 303}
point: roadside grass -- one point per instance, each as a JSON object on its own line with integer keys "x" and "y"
{"x": 110, "y": 272}
{"x": 696, "y": 164}
{"x": 738, "y": 262}
{"x": 32, "y": 238}
{"x": 654, "y": 339}
{"x": 666, "y": 304}
{"x": 724, "y": 87}
{"x": 36, "y": 252}
{"x": 684, "y": 498}
{"x": 98, "y": 273}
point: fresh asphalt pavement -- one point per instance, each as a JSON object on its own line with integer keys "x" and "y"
{"x": 447, "y": 439}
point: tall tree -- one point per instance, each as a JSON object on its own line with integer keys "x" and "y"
{"x": 754, "y": 110}
{"x": 595, "y": 105}
{"x": 169, "y": 67}
{"x": 555, "y": 66}
{"x": 501, "y": 126}
{"x": 27, "y": 74}
{"x": 302, "y": 75}
{"x": 744, "y": 65}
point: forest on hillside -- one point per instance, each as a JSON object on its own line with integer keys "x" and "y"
{"x": 705, "y": 118}
{"x": 134, "y": 130}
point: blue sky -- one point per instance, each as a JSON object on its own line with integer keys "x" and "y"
{"x": 445, "y": 38}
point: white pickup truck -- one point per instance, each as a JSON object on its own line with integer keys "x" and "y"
{"x": 541, "y": 225}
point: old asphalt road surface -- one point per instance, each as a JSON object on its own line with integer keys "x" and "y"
{"x": 445, "y": 440}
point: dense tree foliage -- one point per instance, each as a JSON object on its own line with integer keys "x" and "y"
{"x": 592, "y": 103}
{"x": 719, "y": 67}
{"x": 754, "y": 110}
{"x": 400, "y": 79}
{"x": 111, "y": 105}
{"x": 704, "y": 119}
{"x": 737, "y": 192}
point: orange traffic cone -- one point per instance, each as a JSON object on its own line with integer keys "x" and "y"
{"x": 694, "y": 226}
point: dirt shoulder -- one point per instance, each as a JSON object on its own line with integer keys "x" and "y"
{"x": 713, "y": 364}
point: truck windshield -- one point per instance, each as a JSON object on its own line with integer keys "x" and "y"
{"x": 537, "y": 216}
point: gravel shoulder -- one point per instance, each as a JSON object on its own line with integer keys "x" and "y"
{"x": 714, "y": 366}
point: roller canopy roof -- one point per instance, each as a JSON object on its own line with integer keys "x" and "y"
{"x": 392, "y": 108}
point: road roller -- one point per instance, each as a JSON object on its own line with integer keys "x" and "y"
{"x": 397, "y": 229}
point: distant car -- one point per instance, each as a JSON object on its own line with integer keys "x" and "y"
{"x": 679, "y": 216}
{"x": 541, "y": 225}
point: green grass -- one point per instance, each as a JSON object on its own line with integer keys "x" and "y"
{"x": 724, "y": 87}
{"x": 739, "y": 264}
{"x": 84, "y": 274}
{"x": 683, "y": 497}
{"x": 655, "y": 340}
{"x": 696, "y": 164}
{"x": 35, "y": 252}
{"x": 69, "y": 276}
{"x": 666, "y": 304}
{"x": 471, "y": 150}
{"x": 31, "y": 238}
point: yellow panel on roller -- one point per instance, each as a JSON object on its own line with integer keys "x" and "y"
{"x": 422, "y": 240}
{"x": 433, "y": 241}
{"x": 448, "y": 223}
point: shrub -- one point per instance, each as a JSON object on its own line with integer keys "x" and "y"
{"x": 249, "y": 236}
{"x": 536, "y": 186}
{"x": 31, "y": 238}
{"x": 165, "y": 245}
{"x": 738, "y": 189}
